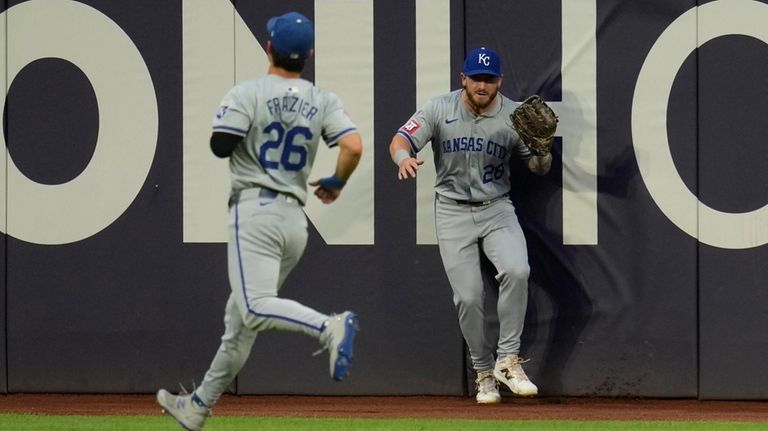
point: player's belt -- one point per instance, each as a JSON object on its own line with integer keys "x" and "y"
{"x": 442, "y": 198}
{"x": 261, "y": 192}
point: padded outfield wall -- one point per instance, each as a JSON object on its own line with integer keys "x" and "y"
{"x": 646, "y": 240}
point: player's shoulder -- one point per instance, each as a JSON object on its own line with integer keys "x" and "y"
{"x": 253, "y": 81}
{"x": 443, "y": 101}
{"x": 507, "y": 105}
{"x": 248, "y": 86}
{"x": 325, "y": 100}
{"x": 322, "y": 93}
{"x": 450, "y": 98}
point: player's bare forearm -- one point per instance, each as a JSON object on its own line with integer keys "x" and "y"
{"x": 350, "y": 152}
{"x": 540, "y": 165}
{"x": 400, "y": 151}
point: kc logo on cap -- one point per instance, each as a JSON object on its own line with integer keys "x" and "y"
{"x": 482, "y": 61}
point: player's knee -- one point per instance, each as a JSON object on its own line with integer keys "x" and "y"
{"x": 256, "y": 316}
{"x": 514, "y": 273}
{"x": 468, "y": 301}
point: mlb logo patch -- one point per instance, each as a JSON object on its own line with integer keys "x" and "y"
{"x": 411, "y": 127}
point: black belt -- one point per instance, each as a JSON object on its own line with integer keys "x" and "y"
{"x": 442, "y": 198}
{"x": 263, "y": 192}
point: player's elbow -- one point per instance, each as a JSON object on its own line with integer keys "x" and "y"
{"x": 398, "y": 143}
{"x": 223, "y": 144}
{"x": 352, "y": 144}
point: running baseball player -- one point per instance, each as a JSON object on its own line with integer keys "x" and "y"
{"x": 270, "y": 129}
{"x": 473, "y": 143}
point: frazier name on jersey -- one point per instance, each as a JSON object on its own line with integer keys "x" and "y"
{"x": 291, "y": 104}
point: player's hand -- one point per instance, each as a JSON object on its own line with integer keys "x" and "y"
{"x": 328, "y": 189}
{"x": 325, "y": 195}
{"x": 408, "y": 168}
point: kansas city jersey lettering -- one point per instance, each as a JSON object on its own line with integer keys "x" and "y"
{"x": 289, "y": 103}
{"x": 474, "y": 144}
{"x": 471, "y": 153}
{"x": 462, "y": 143}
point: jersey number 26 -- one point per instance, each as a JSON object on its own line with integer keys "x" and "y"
{"x": 291, "y": 157}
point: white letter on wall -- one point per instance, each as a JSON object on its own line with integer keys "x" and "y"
{"x": 128, "y": 122}
{"x": 649, "y": 123}
{"x": 344, "y": 65}
{"x": 210, "y": 31}
{"x": 578, "y": 122}
{"x": 577, "y": 111}
{"x": 219, "y": 50}
{"x": 433, "y": 77}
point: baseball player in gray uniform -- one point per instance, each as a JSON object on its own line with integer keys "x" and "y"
{"x": 473, "y": 143}
{"x": 270, "y": 129}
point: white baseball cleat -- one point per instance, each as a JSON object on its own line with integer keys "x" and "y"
{"x": 340, "y": 337}
{"x": 487, "y": 388}
{"x": 509, "y": 371}
{"x": 188, "y": 410}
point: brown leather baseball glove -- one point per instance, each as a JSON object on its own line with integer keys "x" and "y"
{"x": 536, "y": 124}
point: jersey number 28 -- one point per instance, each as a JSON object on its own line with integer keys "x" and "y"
{"x": 491, "y": 172}
{"x": 292, "y": 157}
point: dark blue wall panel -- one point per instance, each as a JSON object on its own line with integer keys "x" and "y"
{"x": 733, "y": 295}
{"x": 648, "y": 311}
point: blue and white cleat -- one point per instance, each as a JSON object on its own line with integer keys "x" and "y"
{"x": 188, "y": 410}
{"x": 342, "y": 329}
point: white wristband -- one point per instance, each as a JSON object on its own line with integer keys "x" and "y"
{"x": 400, "y": 155}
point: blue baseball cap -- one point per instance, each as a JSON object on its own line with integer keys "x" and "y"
{"x": 482, "y": 61}
{"x": 292, "y": 35}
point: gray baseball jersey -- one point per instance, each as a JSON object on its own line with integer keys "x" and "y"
{"x": 471, "y": 153}
{"x": 282, "y": 121}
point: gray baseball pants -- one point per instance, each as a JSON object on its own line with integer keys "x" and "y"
{"x": 268, "y": 234}
{"x": 463, "y": 231}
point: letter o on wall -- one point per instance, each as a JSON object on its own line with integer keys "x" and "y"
{"x": 128, "y": 122}
{"x": 649, "y": 123}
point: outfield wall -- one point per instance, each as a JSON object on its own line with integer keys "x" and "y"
{"x": 646, "y": 240}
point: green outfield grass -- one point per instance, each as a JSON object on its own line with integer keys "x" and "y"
{"x": 25, "y": 422}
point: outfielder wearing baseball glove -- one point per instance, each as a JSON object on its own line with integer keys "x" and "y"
{"x": 536, "y": 124}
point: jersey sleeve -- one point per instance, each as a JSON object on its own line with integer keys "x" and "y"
{"x": 523, "y": 152}
{"x": 517, "y": 146}
{"x": 418, "y": 129}
{"x": 520, "y": 148}
{"x": 233, "y": 116}
{"x": 336, "y": 122}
